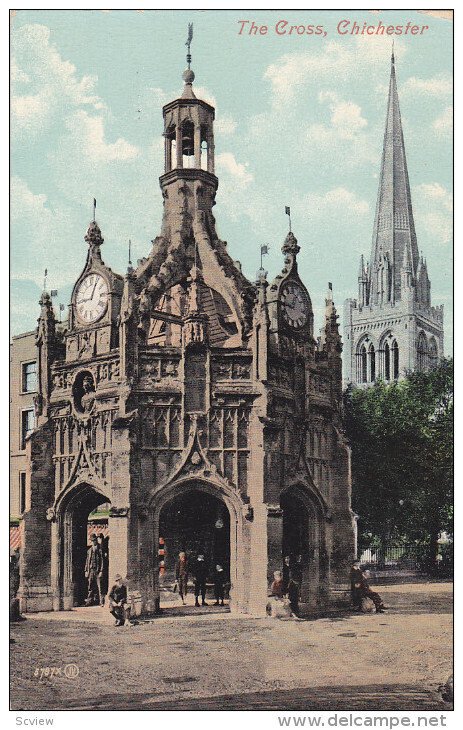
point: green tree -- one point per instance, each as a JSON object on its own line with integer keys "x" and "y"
{"x": 401, "y": 436}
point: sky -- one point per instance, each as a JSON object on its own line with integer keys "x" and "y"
{"x": 299, "y": 121}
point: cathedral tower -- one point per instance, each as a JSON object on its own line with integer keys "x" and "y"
{"x": 392, "y": 329}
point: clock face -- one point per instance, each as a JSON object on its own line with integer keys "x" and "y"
{"x": 91, "y": 298}
{"x": 295, "y": 305}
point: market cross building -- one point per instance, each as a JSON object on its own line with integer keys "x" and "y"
{"x": 197, "y": 405}
{"x": 392, "y": 329}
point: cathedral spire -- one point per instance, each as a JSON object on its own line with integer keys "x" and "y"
{"x": 394, "y": 227}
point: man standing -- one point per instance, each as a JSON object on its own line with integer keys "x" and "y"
{"x": 181, "y": 575}
{"x": 219, "y": 579}
{"x": 118, "y": 605}
{"x": 93, "y": 572}
{"x": 294, "y": 585}
{"x": 200, "y": 575}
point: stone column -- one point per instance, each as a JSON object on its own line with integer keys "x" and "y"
{"x": 178, "y": 143}
{"x": 55, "y": 565}
{"x": 167, "y": 153}
{"x": 197, "y": 146}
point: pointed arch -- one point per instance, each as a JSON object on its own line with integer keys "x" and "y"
{"x": 371, "y": 363}
{"x": 432, "y": 352}
{"x": 422, "y": 353}
{"x": 395, "y": 360}
{"x": 387, "y": 361}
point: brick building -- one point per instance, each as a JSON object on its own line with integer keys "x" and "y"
{"x": 196, "y": 404}
{"x": 392, "y": 329}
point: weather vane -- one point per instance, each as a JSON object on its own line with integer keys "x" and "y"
{"x": 188, "y": 43}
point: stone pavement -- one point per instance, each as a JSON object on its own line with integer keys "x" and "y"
{"x": 392, "y": 661}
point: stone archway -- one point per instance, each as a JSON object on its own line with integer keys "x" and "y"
{"x": 71, "y": 543}
{"x": 184, "y": 489}
{"x": 304, "y": 535}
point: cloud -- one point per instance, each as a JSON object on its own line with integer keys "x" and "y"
{"x": 88, "y": 135}
{"x": 36, "y": 231}
{"x": 294, "y": 72}
{"x": 439, "y": 85}
{"x": 433, "y": 206}
{"x": 237, "y": 170}
{"x": 51, "y": 83}
{"x": 443, "y": 125}
{"x": 338, "y": 202}
{"x": 225, "y": 125}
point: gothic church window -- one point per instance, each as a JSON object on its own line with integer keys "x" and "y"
{"x": 387, "y": 362}
{"x": 432, "y": 353}
{"x": 395, "y": 360}
{"x": 422, "y": 353}
{"x": 372, "y": 363}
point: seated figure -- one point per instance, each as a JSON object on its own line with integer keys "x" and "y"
{"x": 118, "y": 605}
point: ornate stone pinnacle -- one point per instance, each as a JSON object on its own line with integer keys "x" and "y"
{"x": 93, "y": 236}
{"x": 290, "y": 245}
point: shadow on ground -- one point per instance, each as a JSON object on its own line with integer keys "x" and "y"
{"x": 371, "y": 697}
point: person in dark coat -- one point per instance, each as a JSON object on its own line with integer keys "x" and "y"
{"x": 104, "y": 547}
{"x": 286, "y": 564}
{"x": 356, "y": 577}
{"x": 295, "y": 583}
{"x": 181, "y": 575}
{"x": 118, "y": 605}
{"x": 93, "y": 572}
{"x": 219, "y": 580}
{"x": 366, "y": 592}
{"x": 200, "y": 575}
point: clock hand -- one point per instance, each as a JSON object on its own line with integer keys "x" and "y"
{"x": 94, "y": 287}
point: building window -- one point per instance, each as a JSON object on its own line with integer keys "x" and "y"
{"x": 29, "y": 379}
{"x": 422, "y": 353}
{"x": 372, "y": 357}
{"x": 387, "y": 362}
{"x": 395, "y": 360}
{"x": 363, "y": 364}
{"x": 22, "y": 492}
{"x": 27, "y": 425}
{"x": 432, "y": 353}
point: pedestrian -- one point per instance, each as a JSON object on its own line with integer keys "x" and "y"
{"x": 200, "y": 575}
{"x": 181, "y": 575}
{"x": 295, "y": 583}
{"x": 118, "y": 605}
{"x": 356, "y": 577}
{"x": 366, "y": 592}
{"x": 93, "y": 572}
{"x": 219, "y": 578}
{"x": 104, "y": 547}
{"x": 277, "y": 588}
{"x": 286, "y": 564}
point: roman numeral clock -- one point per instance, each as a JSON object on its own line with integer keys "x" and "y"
{"x": 289, "y": 306}
{"x": 95, "y": 305}
{"x": 295, "y": 305}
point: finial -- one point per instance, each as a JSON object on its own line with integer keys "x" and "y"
{"x": 290, "y": 245}
{"x": 188, "y": 75}
{"x": 93, "y": 235}
{"x": 392, "y": 55}
{"x": 129, "y": 265}
{"x": 263, "y": 252}
{"x": 288, "y": 213}
{"x": 188, "y": 43}
{"x": 330, "y": 291}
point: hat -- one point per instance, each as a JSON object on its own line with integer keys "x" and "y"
{"x": 118, "y": 577}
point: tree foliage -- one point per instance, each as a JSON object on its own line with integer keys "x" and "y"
{"x": 401, "y": 436}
